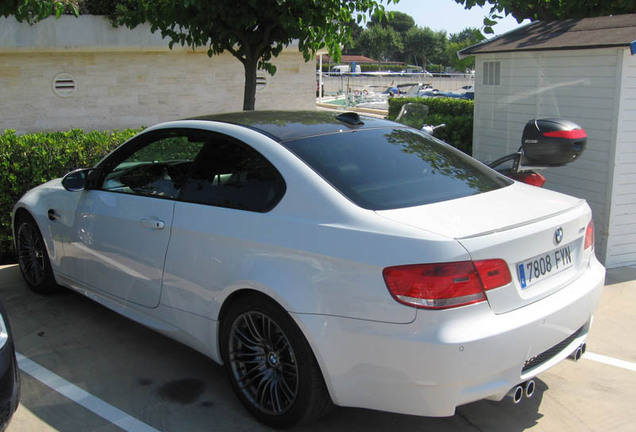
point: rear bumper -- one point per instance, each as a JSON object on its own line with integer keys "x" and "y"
{"x": 445, "y": 359}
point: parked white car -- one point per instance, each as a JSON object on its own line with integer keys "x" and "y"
{"x": 324, "y": 259}
{"x": 344, "y": 69}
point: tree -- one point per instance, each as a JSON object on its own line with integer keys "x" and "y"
{"x": 253, "y": 31}
{"x": 32, "y": 11}
{"x": 425, "y": 46}
{"x": 380, "y": 43}
{"x": 459, "y": 41}
{"x": 470, "y": 34}
{"x": 548, "y": 10}
{"x": 400, "y": 21}
{"x": 349, "y": 47}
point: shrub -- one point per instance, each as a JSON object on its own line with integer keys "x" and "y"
{"x": 32, "y": 159}
{"x": 457, "y": 114}
{"x": 97, "y": 7}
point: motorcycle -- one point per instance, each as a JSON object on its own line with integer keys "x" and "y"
{"x": 545, "y": 143}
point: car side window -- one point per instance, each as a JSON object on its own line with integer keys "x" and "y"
{"x": 158, "y": 168}
{"x": 233, "y": 175}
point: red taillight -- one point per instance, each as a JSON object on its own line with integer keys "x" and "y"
{"x": 589, "y": 236}
{"x": 571, "y": 134}
{"x": 493, "y": 273}
{"x": 531, "y": 178}
{"x": 445, "y": 285}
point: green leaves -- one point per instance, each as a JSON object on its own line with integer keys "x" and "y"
{"x": 549, "y": 10}
{"x": 32, "y": 11}
{"x": 489, "y": 22}
{"x": 29, "y": 160}
{"x": 380, "y": 42}
{"x": 457, "y": 114}
{"x": 424, "y": 46}
{"x": 413, "y": 45}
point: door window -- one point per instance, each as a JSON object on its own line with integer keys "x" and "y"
{"x": 155, "y": 165}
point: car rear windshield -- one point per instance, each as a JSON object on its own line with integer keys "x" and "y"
{"x": 382, "y": 169}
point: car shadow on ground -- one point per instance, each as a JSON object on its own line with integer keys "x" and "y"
{"x": 170, "y": 386}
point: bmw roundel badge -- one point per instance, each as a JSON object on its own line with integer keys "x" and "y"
{"x": 558, "y": 235}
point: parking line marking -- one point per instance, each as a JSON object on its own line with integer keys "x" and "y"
{"x": 610, "y": 361}
{"x": 82, "y": 397}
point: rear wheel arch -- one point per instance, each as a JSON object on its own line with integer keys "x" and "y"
{"x": 239, "y": 296}
{"x": 311, "y": 400}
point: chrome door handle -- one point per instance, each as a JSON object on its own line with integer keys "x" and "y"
{"x": 153, "y": 223}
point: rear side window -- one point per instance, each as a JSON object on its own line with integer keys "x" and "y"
{"x": 231, "y": 174}
{"x": 388, "y": 169}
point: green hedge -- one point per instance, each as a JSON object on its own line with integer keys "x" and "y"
{"x": 29, "y": 160}
{"x": 457, "y": 114}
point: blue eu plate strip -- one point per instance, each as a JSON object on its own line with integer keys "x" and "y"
{"x": 522, "y": 276}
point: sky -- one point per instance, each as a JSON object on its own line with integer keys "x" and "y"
{"x": 449, "y": 16}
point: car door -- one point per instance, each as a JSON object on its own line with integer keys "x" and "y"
{"x": 121, "y": 227}
{"x": 222, "y": 205}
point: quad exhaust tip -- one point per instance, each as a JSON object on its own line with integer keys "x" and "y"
{"x": 528, "y": 388}
{"x": 578, "y": 353}
{"x": 517, "y": 394}
{"x": 525, "y": 389}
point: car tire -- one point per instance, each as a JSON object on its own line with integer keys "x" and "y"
{"x": 271, "y": 366}
{"x": 33, "y": 257}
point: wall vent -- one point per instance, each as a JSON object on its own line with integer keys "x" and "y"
{"x": 64, "y": 85}
{"x": 492, "y": 73}
{"x": 261, "y": 82}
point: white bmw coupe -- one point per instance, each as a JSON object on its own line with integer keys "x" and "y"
{"x": 324, "y": 259}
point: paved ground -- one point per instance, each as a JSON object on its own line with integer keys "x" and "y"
{"x": 102, "y": 363}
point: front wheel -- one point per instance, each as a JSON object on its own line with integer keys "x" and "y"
{"x": 33, "y": 258}
{"x": 271, "y": 366}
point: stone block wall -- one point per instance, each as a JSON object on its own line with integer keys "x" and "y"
{"x": 117, "y": 84}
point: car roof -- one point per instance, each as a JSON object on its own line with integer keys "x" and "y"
{"x": 290, "y": 125}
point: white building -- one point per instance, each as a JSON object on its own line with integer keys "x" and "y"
{"x": 580, "y": 70}
{"x": 84, "y": 73}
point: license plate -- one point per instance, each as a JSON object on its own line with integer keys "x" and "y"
{"x": 543, "y": 266}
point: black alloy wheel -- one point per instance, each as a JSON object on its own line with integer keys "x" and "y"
{"x": 263, "y": 363}
{"x": 271, "y": 366}
{"x": 33, "y": 258}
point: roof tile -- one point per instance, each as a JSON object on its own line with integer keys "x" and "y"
{"x": 598, "y": 32}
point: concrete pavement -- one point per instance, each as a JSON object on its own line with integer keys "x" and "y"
{"x": 161, "y": 385}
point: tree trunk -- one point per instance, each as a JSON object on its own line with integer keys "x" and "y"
{"x": 249, "y": 93}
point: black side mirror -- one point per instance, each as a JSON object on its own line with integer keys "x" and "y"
{"x": 76, "y": 180}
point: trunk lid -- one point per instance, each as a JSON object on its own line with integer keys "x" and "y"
{"x": 539, "y": 233}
